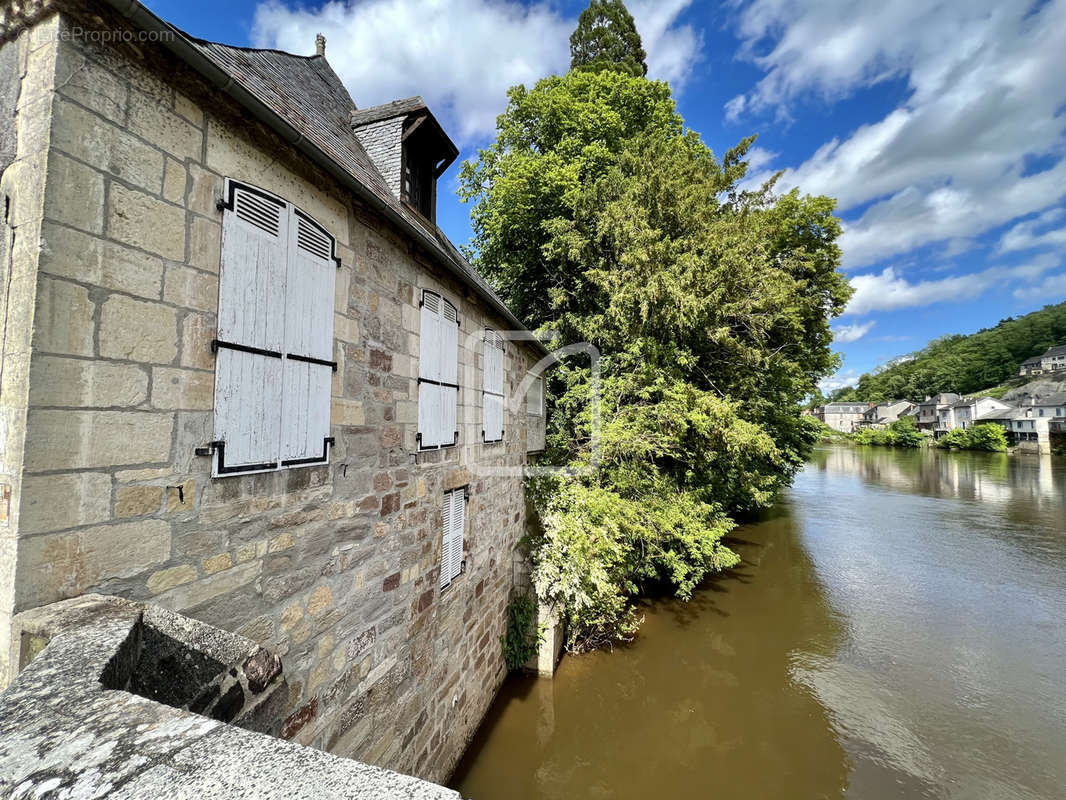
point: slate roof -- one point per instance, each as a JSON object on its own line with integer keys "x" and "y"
{"x": 306, "y": 93}
{"x": 1056, "y": 351}
{"x": 1009, "y": 413}
{"x": 397, "y": 108}
{"x": 940, "y": 399}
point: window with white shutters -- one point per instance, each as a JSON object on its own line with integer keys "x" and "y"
{"x": 451, "y": 552}
{"x": 438, "y": 373}
{"x": 535, "y": 397}
{"x": 492, "y": 387}
{"x": 273, "y": 367}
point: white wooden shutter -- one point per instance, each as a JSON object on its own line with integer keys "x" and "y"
{"x": 307, "y": 371}
{"x": 453, "y": 518}
{"x": 273, "y": 370}
{"x": 446, "y": 541}
{"x": 449, "y": 372}
{"x": 535, "y": 397}
{"x": 492, "y": 387}
{"x": 455, "y": 555}
{"x": 250, "y": 333}
{"x": 429, "y": 396}
{"x": 438, "y": 372}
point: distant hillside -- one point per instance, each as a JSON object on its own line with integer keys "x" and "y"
{"x": 965, "y": 364}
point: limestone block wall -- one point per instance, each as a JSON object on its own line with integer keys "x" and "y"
{"x": 27, "y": 71}
{"x": 334, "y": 568}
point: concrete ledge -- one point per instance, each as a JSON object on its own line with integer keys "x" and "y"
{"x": 72, "y": 726}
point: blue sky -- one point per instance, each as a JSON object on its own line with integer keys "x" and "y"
{"x": 939, "y": 127}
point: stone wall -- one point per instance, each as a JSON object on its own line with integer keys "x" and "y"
{"x": 81, "y": 720}
{"x": 382, "y": 142}
{"x": 335, "y": 568}
{"x": 28, "y": 66}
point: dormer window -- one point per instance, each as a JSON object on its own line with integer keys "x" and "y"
{"x": 418, "y": 182}
{"x": 409, "y": 149}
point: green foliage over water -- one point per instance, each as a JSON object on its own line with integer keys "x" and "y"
{"x": 523, "y": 635}
{"x": 965, "y": 364}
{"x": 901, "y": 433}
{"x": 601, "y": 219}
{"x": 987, "y": 436}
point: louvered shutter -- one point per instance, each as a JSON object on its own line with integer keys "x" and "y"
{"x": 453, "y": 519}
{"x": 492, "y": 386}
{"x": 446, "y": 541}
{"x": 429, "y": 395}
{"x": 458, "y": 521}
{"x": 250, "y": 334}
{"x": 307, "y": 370}
{"x": 449, "y": 373}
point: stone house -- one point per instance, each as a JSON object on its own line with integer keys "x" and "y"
{"x": 843, "y": 417}
{"x": 930, "y": 408}
{"x": 884, "y": 414}
{"x": 1051, "y": 361}
{"x": 247, "y": 378}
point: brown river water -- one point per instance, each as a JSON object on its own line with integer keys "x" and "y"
{"x": 897, "y": 629}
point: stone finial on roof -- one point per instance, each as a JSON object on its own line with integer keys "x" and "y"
{"x": 320, "y": 44}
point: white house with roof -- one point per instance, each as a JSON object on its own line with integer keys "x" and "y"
{"x": 1052, "y": 361}
{"x": 965, "y": 412}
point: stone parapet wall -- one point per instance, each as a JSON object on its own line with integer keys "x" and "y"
{"x": 334, "y": 568}
{"x": 80, "y": 721}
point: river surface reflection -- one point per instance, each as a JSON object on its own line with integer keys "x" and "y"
{"x": 897, "y": 629}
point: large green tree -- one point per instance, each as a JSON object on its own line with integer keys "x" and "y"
{"x": 601, "y": 219}
{"x": 606, "y": 37}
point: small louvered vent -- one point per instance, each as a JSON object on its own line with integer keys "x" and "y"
{"x": 259, "y": 211}
{"x": 449, "y": 312}
{"x": 431, "y": 301}
{"x": 311, "y": 239}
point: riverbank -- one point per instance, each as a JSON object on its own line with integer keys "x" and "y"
{"x": 894, "y": 630}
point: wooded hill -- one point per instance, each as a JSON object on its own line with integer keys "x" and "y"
{"x": 964, "y": 364}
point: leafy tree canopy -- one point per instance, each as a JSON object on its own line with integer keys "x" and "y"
{"x": 964, "y": 364}
{"x": 601, "y": 219}
{"x": 606, "y": 38}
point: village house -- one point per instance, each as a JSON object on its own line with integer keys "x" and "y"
{"x": 963, "y": 413}
{"x": 1023, "y": 427}
{"x": 248, "y": 379}
{"x": 885, "y": 413}
{"x": 930, "y": 408}
{"x": 843, "y": 417}
{"x": 1051, "y": 361}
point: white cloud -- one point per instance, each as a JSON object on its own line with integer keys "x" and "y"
{"x": 889, "y": 290}
{"x": 838, "y": 381}
{"x": 1024, "y": 235}
{"x": 461, "y": 56}
{"x": 1052, "y": 289}
{"x": 852, "y": 333}
{"x": 953, "y": 161}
